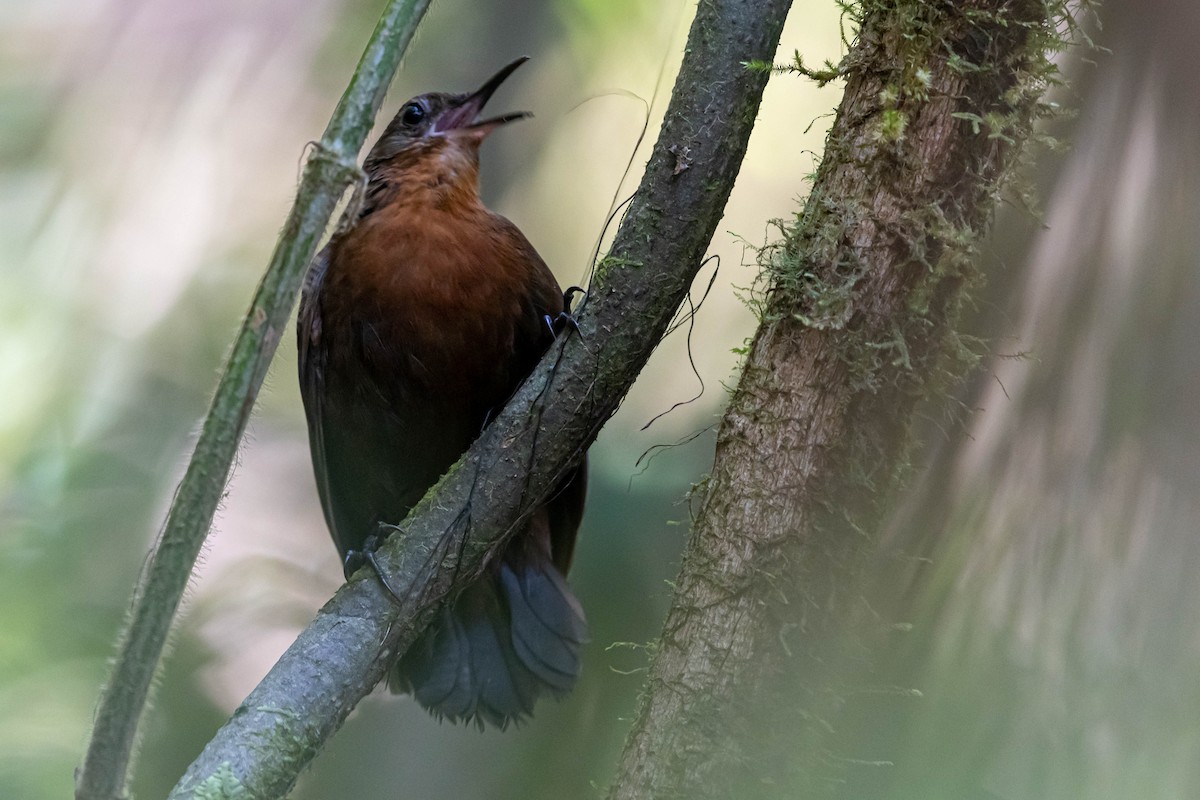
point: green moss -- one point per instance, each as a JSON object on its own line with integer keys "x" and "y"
{"x": 892, "y": 124}
{"x": 221, "y": 785}
{"x": 607, "y": 264}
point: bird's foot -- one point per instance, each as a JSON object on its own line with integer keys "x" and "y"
{"x": 355, "y": 559}
{"x": 557, "y": 325}
{"x": 565, "y": 318}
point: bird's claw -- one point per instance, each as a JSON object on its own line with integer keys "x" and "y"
{"x": 355, "y": 559}
{"x": 563, "y": 321}
{"x": 565, "y": 318}
{"x": 569, "y": 294}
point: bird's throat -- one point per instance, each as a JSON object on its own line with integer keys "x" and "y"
{"x": 443, "y": 175}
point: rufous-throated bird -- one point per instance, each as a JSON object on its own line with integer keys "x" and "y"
{"x": 416, "y": 324}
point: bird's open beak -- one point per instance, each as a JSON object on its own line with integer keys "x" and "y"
{"x": 465, "y": 116}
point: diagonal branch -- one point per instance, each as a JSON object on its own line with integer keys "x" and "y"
{"x": 540, "y": 434}
{"x": 327, "y": 174}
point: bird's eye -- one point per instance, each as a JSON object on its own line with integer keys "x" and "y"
{"x": 412, "y": 114}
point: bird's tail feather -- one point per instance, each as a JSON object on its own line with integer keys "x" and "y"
{"x": 512, "y": 636}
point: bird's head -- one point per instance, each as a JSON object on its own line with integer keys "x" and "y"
{"x": 445, "y": 126}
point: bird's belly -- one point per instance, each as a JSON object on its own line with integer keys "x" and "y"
{"x": 403, "y": 402}
{"x": 383, "y": 454}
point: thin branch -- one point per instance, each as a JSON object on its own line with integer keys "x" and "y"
{"x": 539, "y": 435}
{"x": 327, "y": 173}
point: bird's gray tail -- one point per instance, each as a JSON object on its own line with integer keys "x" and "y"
{"x": 514, "y": 635}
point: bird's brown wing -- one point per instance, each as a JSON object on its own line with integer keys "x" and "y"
{"x": 534, "y": 334}
{"x": 312, "y": 367}
{"x": 565, "y": 511}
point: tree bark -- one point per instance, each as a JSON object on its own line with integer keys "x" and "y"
{"x": 857, "y": 328}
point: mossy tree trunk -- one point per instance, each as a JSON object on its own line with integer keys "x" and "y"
{"x": 857, "y": 328}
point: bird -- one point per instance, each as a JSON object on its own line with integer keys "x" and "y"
{"x": 417, "y": 322}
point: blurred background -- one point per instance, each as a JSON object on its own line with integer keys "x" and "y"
{"x": 1041, "y": 559}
